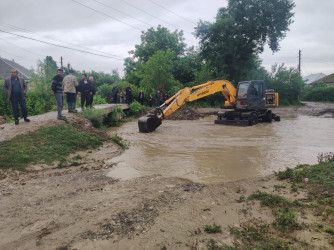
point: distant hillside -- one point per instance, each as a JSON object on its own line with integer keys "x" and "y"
{"x": 6, "y": 66}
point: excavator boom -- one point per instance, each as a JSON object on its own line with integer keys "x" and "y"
{"x": 149, "y": 123}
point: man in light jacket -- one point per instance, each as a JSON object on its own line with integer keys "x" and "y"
{"x": 70, "y": 88}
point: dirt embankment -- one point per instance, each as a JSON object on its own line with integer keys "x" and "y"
{"x": 80, "y": 207}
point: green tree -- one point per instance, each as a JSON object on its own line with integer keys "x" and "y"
{"x": 287, "y": 82}
{"x": 240, "y": 31}
{"x": 157, "y": 72}
{"x": 184, "y": 61}
{"x": 160, "y": 39}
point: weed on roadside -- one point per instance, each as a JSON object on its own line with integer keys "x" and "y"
{"x": 119, "y": 141}
{"x": 270, "y": 200}
{"x": 212, "y": 229}
{"x": 285, "y": 220}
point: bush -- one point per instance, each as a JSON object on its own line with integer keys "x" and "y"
{"x": 114, "y": 117}
{"x": 98, "y": 99}
{"x": 5, "y": 106}
{"x": 135, "y": 108}
{"x": 105, "y": 91}
{"x": 96, "y": 116}
{"x": 319, "y": 94}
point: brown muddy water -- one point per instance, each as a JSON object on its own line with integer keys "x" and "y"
{"x": 209, "y": 153}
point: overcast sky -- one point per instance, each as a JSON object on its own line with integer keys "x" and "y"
{"x": 113, "y": 28}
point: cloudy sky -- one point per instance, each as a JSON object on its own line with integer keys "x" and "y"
{"x": 112, "y": 28}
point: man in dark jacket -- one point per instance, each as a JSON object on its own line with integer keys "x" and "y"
{"x": 85, "y": 90}
{"x": 141, "y": 97}
{"x": 128, "y": 92}
{"x": 158, "y": 98}
{"x": 92, "y": 91}
{"x": 114, "y": 93}
{"x": 58, "y": 92}
{"x": 16, "y": 90}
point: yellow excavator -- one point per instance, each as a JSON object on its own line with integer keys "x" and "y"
{"x": 249, "y": 104}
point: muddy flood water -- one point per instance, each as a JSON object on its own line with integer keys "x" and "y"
{"x": 208, "y": 153}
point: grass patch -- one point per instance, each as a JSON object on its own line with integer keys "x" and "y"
{"x": 119, "y": 141}
{"x": 270, "y": 200}
{"x": 45, "y": 146}
{"x": 213, "y": 229}
{"x": 257, "y": 235}
{"x": 286, "y": 220}
{"x": 96, "y": 116}
{"x": 99, "y": 118}
{"x": 212, "y": 245}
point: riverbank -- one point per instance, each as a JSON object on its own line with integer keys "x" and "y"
{"x": 79, "y": 207}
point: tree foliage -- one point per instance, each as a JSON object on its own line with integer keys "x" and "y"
{"x": 240, "y": 31}
{"x": 157, "y": 72}
{"x": 287, "y": 82}
{"x": 182, "y": 64}
{"x": 161, "y": 38}
{"x": 319, "y": 93}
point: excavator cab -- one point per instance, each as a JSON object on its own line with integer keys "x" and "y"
{"x": 251, "y": 95}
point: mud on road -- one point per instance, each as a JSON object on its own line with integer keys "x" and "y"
{"x": 80, "y": 207}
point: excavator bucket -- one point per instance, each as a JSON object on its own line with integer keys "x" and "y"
{"x": 148, "y": 124}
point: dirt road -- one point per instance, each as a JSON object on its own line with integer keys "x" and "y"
{"x": 81, "y": 208}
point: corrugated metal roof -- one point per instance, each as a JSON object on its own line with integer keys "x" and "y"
{"x": 327, "y": 79}
{"x": 6, "y": 66}
{"x": 313, "y": 77}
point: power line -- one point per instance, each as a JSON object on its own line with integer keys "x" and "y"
{"x": 144, "y": 11}
{"x": 58, "y": 40}
{"x": 108, "y": 6}
{"x": 61, "y": 46}
{"x": 172, "y": 12}
{"x": 22, "y": 48}
{"x": 102, "y": 13}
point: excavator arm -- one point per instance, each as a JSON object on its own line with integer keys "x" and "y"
{"x": 149, "y": 123}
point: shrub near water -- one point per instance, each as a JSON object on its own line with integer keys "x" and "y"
{"x": 45, "y": 145}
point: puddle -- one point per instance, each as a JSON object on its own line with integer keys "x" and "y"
{"x": 209, "y": 153}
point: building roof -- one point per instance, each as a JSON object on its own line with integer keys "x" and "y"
{"x": 313, "y": 77}
{"x": 6, "y": 66}
{"x": 327, "y": 79}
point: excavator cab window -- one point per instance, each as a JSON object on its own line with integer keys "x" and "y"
{"x": 242, "y": 90}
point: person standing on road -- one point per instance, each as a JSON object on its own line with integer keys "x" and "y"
{"x": 92, "y": 91}
{"x": 16, "y": 90}
{"x": 158, "y": 98}
{"x": 150, "y": 100}
{"x": 128, "y": 92}
{"x": 84, "y": 89}
{"x": 57, "y": 88}
{"x": 70, "y": 84}
{"x": 114, "y": 93}
{"x": 141, "y": 97}
{"x": 121, "y": 96}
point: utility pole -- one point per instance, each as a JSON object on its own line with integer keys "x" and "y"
{"x": 61, "y": 62}
{"x": 299, "y": 61}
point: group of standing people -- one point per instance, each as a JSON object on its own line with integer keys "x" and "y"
{"x": 125, "y": 96}
{"x": 71, "y": 87}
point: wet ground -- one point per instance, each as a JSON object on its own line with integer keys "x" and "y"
{"x": 210, "y": 153}
{"x": 83, "y": 207}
